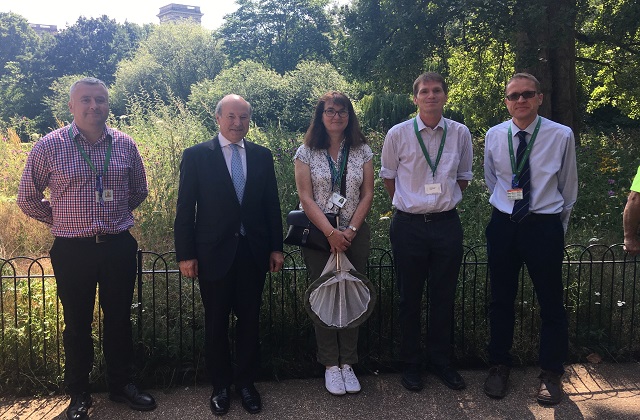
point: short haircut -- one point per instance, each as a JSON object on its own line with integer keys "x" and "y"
{"x": 87, "y": 81}
{"x": 221, "y": 102}
{"x": 430, "y": 76}
{"x": 317, "y": 137}
{"x": 527, "y": 76}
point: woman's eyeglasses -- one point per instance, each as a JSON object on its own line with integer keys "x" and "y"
{"x": 332, "y": 113}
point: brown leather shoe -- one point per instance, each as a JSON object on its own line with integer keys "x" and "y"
{"x": 495, "y": 386}
{"x": 550, "y": 391}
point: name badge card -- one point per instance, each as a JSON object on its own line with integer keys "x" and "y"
{"x": 338, "y": 200}
{"x": 433, "y": 189}
{"x": 515, "y": 194}
{"x": 107, "y": 195}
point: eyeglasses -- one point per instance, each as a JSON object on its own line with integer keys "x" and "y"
{"x": 527, "y": 94}
{"x": 332, "y": 113}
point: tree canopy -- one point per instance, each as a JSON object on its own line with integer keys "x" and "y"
{"x": 283, "y": 53}
{"x": 278, "y": 33}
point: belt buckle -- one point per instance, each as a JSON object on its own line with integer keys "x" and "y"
{"x": 426, "y": 217}
{"x": 101, "y": 239}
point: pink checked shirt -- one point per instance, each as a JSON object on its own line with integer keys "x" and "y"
{"x": 71, "y": 210}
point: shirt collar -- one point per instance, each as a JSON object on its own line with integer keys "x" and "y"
{"x": 224, "y": 142}
{"x": 107, "y": 133}
{"x": 529, "y": 129}
{"x": 422, "y": 126}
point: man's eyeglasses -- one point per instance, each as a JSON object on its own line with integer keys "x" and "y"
{"x": 527, "y": 94}
{"x": 332, "y": 113}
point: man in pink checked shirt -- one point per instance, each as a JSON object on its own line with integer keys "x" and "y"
{"x": 95, "y": 179}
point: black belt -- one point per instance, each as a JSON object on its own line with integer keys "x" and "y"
{"x": 97, "y": 239}
{"x": 530, "y": 217}
{"x": 428, "y": 217}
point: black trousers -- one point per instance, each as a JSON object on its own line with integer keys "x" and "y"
{"x": 431, "y": 252}
{"x": 538, "y": 242}
{"x": 240, "y": 291}
{"x": 79, "y": 265}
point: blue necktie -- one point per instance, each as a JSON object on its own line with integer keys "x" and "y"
{"x": 237, "y": 176}
{"x": 521, "y": 207}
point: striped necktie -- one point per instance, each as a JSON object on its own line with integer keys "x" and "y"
{"x": 521, "y": 207}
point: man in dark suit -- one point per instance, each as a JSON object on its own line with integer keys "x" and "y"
{"x": 228, "y": 233}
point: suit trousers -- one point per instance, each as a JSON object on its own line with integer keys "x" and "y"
{"x": 240, "y": 291}
{"x": 338, "y": 346}
{"x": 426, "y": 251}
{"x": 79, "y": 264}
{"x": 538, "y": 242}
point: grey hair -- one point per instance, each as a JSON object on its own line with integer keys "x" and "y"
{"x": 220, "y": 103}
{"x": 87, "y": 81}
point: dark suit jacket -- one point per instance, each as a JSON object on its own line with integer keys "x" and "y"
{"x": 208, "y": 214}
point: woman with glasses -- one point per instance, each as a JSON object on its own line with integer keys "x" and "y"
{"x": 334, "y": 174}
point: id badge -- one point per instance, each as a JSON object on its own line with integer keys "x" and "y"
{"x": 107, "y": 195}
{"x": 515, "y": 194}
{"x": 433, "y": 189}
{"x": 338, "y": 200}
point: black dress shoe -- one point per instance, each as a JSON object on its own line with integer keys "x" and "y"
{"x": 412, "y": 377}
{"x": 220, "y": 401}
{"x": 135, "y": 399}
{"x": 250, "y": 399}
{"x": 79, "y": 407}
{"x": 449, "y": 376}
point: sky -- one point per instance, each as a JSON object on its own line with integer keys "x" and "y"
{"x": 65, "y": 13}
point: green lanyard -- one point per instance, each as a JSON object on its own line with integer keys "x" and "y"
{"x": 86, "y": 158}
{"x": 424, "y": 149}
{"x": 516, "y": 171}
{"x": 99, "y": 177}
{"x": 335, "y": 175}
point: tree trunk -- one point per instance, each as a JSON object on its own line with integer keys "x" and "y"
{"x": 545, "y": 47}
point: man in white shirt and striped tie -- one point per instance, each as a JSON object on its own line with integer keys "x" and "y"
{"x": 530, "y": 170}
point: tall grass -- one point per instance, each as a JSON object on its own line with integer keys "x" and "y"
{"x": 606, "y": 166}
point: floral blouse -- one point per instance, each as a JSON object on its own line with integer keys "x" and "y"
{"x": 321, "y": 178}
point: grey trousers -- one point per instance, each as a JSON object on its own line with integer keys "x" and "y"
{"x": 339, "y": 346}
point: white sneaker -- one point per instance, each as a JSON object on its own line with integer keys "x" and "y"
{"x": 351, "y": 383}
{"x": 333, "y": 381}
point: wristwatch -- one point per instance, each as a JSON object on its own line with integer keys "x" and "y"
{"x": 353, "y": 228}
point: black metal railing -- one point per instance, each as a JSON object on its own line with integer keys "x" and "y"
{"x": 601, "y": 297}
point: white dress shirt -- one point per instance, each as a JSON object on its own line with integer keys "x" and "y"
{"x": 403, "y": 160}
{"x": 227, "y": 151}
{"x": 552, "y": 162}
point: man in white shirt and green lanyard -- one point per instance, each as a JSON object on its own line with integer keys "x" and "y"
{"x": 426, "y": 164}
{"x": 530, "y": 170}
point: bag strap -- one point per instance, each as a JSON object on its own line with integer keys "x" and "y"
{"x": 343, "y": 181}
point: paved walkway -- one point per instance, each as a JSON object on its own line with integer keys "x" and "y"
{"x": 604, "y": 391}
